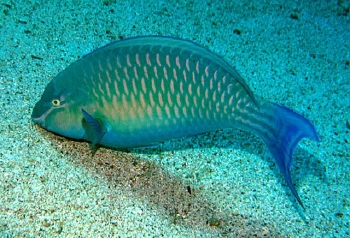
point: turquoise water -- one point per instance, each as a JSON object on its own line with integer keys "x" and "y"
{"x": 223, "y": 183}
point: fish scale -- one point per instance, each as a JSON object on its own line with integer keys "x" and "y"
{"x": 172, "y": 74}
{"x": 144, "y": 90}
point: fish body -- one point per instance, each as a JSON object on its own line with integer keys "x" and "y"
{"x": 144, "y": 90}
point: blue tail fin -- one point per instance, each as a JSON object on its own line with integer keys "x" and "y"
{"x": 287, "y": 129}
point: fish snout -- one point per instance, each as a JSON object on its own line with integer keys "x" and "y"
{"x": 38, "y": 120}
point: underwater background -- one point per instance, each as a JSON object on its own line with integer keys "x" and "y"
{"x": 220, "y": 184}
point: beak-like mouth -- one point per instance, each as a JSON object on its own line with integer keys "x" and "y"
{"x": 39, "y": 115}
{"x": 38, "y": 120}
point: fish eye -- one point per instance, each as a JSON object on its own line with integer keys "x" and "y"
{"x": 56, "y": 102}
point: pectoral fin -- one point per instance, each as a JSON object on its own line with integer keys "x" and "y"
{"x": 94, "y": 130}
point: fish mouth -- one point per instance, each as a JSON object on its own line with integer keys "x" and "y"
{"x": 38, "y": 120}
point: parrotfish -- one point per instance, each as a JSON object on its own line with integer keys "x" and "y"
{"x": 144, "y": 90}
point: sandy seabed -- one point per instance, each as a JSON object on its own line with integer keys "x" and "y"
{"x": 220, "y": 184}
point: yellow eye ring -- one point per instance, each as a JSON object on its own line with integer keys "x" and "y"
{"x": 56, "y": 103}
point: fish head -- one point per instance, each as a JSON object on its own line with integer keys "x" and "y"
{"x": 59, "y": 111}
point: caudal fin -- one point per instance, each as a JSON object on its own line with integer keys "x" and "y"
{"x": 282, "y": 129}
